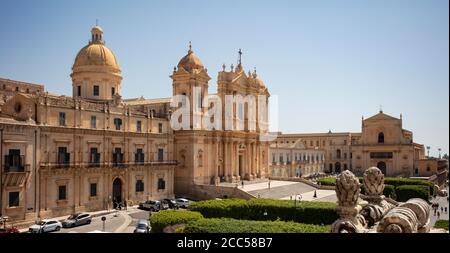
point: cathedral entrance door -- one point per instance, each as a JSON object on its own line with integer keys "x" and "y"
{"x": 117, "y": 192}
{"x": 382, "y": 167}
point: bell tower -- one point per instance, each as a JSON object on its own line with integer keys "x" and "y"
{"x": 190, "y": 78}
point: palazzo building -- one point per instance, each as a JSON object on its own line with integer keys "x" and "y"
{"x": 383, "y": 142}
{"x": 293, "y": 159}
{"x": 87, "y": 152}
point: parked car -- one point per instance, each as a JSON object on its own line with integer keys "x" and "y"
{"x": 45, "y": 226}
{"x": 142, "y": 227}
{"x": 11, "y": 230}
{"x": 183, "y": 203}
{"x": 77, "y": 219}
{"x": 164, "y": 205}
{"x": 151, "y": 205}
{"x": 172, "y": 203}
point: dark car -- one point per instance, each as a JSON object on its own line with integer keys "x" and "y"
{"x": 77, "y": 219}
{"x": 172, "y": 203}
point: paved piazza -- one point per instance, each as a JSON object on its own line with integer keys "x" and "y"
{"x": 287, "y": 189}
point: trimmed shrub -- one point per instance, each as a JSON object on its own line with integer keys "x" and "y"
{"x": 389, "y": 190}
{"x": 395, "y": 181}
{"x": 166, "y": 218}
{"x": 331, "y": 181}
{"x": 407, "y": 181}
{"x": 405, "y": 192}
{"x": 309, "y": 212}
{"x": 441, "y": 224}
{"x": 226, "y": 225}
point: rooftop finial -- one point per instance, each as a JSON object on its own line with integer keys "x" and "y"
{"x": 96, "y": 22}
{"x": 190, "y": 47}
{"x": 240, "y": 57}
{"x": 381, "y": 109}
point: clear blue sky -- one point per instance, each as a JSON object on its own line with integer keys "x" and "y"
{"x": 329, "y": 62}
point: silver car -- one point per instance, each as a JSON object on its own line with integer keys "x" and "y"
{"x": 77, "y": 219}
{"x": 142, "y": 227}
{"x": 45, "y": 226}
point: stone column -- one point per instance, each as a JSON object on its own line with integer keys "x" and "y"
{"x": 235, "y": 158}
{"x": 249, "y": 172}
{"x": 227, "y": 161}
{"x": 215, "y": 160}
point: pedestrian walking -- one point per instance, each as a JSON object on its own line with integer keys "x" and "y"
{"x": 315, "y": 194}
{"x": 269, "y": 184}
{"x": 125, "y": 204}
{"x": 242, "y": 182}
{"x": 439, "y": 214}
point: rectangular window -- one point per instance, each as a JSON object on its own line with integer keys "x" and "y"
{"x": 14, "y": 162}
{"x": 161, "y": 184}
{"x": 139, "y": 186}
{"x": 311, "y": 143}
{"x": 160, "y": 154}
{"x": 79, "y": 90}
{"x": 160, "y": 128}
{"x": 62, "y": 192}
{"x": 113, "y": 91}
{"x": 94, "y": 156}
{"x": 13, "y": 199}
{"x": 62, "y": 118}
{"x": 63, "y": 156}
{"x": 139, "y": 126}
{"x": 93, "y": 190}
{"x": 139, "y": 156}
{"x": 117, "y": 156}
{"x": 345, "y": 155}
{"x": 96, "y": 90}
{"x": 345, "y": 142}
{"x": 93, "y": 122}
{"x": 317, "y": 143}
{"x": 118, "y": 123}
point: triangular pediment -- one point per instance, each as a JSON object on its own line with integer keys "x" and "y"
{"x": 381, "y": 116}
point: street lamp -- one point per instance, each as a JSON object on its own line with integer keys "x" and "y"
{"x": 439, "y": 149}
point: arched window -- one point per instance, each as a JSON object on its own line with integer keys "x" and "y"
{"x": 338, "y": 154}
{"x": 381, "y": 137}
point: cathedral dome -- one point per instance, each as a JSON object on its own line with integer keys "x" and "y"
{"x": 190, "y": 61}
{"x": 96, "y": 53}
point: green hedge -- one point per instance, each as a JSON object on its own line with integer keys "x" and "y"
{"x": 309, "y": 212}
{"x": 389, "y": 190}
{"x": 165, "y": 218}
{"x": 331, "y": 181}
{"x": 405, "y": 192}
{"x": 441, "y": 224}
{"x": 226, "y": 225}
{"x": 408, "y": 181}
{"x": 396, "y": 182}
